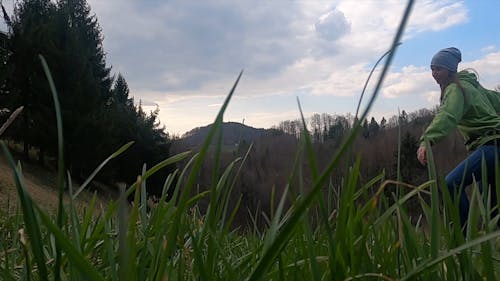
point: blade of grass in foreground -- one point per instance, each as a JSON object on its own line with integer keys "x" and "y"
{"x": 103, "y": 163}
{"x": 191, "y": 179}
{"x": 77, "y": 259}
{"x": 274, "y": 250}
{"x": 60, "y": 161}
{"x": 11, "y": 119}
{"x": 432, "y": 262}
{"x": 434, "y": 203}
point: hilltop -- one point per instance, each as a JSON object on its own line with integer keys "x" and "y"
{"x": 232, "y": 134}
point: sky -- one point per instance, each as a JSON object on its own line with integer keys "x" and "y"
{"x": 183, "y": 56}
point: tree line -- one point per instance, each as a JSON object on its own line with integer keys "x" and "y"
{"x": 98, "y": 113}
{"x": 325, "y": 126}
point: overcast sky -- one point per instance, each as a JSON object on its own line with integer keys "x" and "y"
{"x": 184, "y": 56}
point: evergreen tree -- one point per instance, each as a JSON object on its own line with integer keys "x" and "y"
{"x": 84, "y": 86}
{"x": 128, "y": 122}
{"x": 383, "y": 124}
{"x": 151, "y": 146}
{"x": 373, "y": 127}
{"x": 365, "y": 131}
{"x": 403, "y": 119}
{"x": 4, "y": 70}
{"x": 30, "y": 34}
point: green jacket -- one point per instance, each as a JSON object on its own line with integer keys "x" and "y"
{"x": 475, "y": 112}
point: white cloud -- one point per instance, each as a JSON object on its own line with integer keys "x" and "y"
{"x": 375, "y": 22}
{"x": 332, "y": 25}
{"x": 344, "y": 82}
{"x": 488, "y": 68}
{"x": 437, "y": 15}
{"x": 410, "y": 80}
{"x": 489, "y": 49}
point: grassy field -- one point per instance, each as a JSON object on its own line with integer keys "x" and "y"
{"x": 352, "y": 231}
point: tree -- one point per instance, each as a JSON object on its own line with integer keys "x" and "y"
{"x": 84, "y": 84}
{"x": 373, "y": 127}
{"x": 128, "y": 122}
{"x": 365, "y": 131}
{"x": 4, "y": 55}
{"x": 403, "y": 118}
{"x": 316, "y": 127}
{"x": 338, "y": 128}
{"x": 30, "y": 33}
{"x": 383, "y": 123}
{"x": 410, "y": 168}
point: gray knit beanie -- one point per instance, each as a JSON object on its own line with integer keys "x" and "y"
{"x": 447, "y": 58}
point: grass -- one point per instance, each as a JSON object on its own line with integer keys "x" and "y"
{"x": 364, "y": 238}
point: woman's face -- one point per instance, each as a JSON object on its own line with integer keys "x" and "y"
{"x": 440, "y": 74}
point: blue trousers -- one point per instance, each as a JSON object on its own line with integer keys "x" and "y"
{"x": 471, "y": 169}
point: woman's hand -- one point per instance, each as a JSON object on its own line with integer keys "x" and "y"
{"x": 422, "y": 155}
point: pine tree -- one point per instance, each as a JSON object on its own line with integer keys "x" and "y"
{"x": 383, "y": 124}
{"x": 365, "y": 131}
{"x": 4, "y": 70}
{"x": 373, "y": 127}
{"x": 84, "y": 86}
{"x": 30, "y": 33}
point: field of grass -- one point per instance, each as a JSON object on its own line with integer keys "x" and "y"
{"x": 349, "y": 232}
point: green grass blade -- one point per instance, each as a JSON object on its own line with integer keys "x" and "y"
{"x": 171, "y": 160}
{"x": 191, "y": 179}
{"x": 435, "y": 243}
{"x": 143, "y": 199}
{"x": 432, "y": 262}
{"x": 60, "y": 158}
{"x": 76, "y": 258}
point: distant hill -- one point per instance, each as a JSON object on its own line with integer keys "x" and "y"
{"x": 232, "y": 134}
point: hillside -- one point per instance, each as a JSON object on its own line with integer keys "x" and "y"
{"x": 41, "y": 185}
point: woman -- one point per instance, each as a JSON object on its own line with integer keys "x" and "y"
{"x": 474, "y": 110}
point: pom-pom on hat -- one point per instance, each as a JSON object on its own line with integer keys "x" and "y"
{"x": 447, "y": 58}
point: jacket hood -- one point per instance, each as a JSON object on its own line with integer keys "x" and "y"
{"x": 469, "y": 77}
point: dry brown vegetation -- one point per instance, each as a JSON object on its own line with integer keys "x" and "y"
{"x": 271, "y": 160}
{"x": 272, "y": 157}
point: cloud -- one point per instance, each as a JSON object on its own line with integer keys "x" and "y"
{"x": 332, "y": 25}
{"x": 342, "y": 82}
{"x": 374, "y": 22}
{"x": 489, "y": 49}
{"x": 488, "y": 68}
{"x": 438, "y": 15}
{"x": 200, "y": 41}
{"x": 411, "y": 80}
